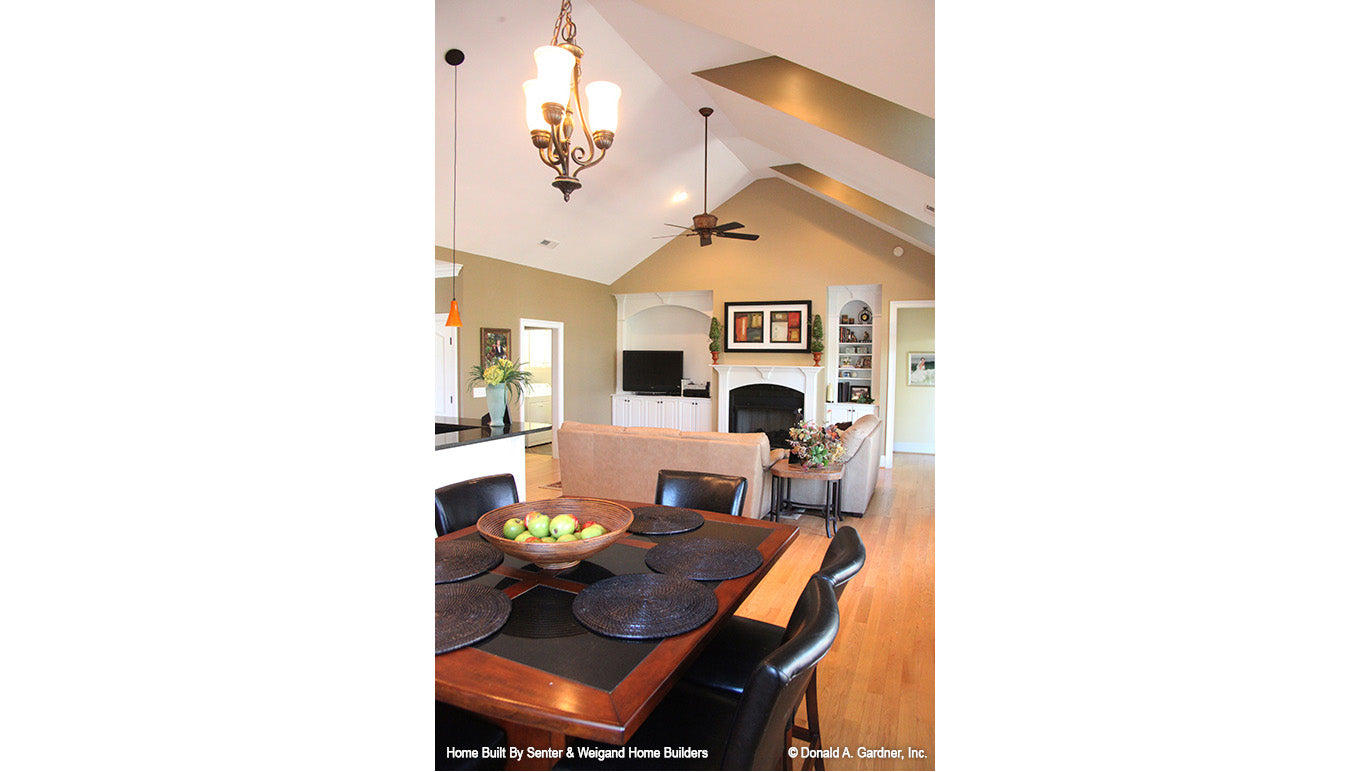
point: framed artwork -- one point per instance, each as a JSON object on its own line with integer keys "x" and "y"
{"x": 921, "y": 368}
{"x": 494, "y": 345}
{"x": 860, "y": 394}
{"x": 778, "y": 325}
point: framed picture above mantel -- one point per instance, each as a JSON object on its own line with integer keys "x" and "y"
{"x": 767, "y": 326}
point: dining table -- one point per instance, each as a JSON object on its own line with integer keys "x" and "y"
{"x": 544, "y": 677}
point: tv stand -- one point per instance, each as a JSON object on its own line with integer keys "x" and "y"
{"x": 689, "y": 414}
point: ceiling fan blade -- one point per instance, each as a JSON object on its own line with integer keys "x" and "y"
{"x": 744, "y": 236}
{"x": 674, "y": 225}
{"x": 728, "y": 226}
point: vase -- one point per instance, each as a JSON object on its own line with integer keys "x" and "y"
{"x": 496, "y": 397}
{"x": 817, "y": 356}
{"x": 715, "y": 354}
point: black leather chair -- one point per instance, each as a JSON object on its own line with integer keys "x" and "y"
{"x": 461, "y": 504}
{"x": 466, "y": 735}
{"x": 702, "y": 490}
{"x": 746, "y": 731}
{"x": 727, "y": 663}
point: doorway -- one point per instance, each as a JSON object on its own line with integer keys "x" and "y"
{"x": 444, "y": 367}
{"x": 540, "y": 346}
{"x": 909, "y": 408}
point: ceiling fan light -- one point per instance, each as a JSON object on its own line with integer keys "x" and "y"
{"x": 603, "y": 108}
{"x": 554, "y": 73}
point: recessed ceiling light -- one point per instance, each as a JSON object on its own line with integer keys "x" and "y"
{"x": 679, "y": 197}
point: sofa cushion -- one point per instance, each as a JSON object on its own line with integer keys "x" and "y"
{"x": 854, "y": 435}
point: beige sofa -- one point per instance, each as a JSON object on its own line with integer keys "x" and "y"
{"x": 862, "y": 448}
{"x": 617, "y": 462}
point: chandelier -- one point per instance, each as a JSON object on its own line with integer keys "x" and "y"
{"x": 554, "y": 97}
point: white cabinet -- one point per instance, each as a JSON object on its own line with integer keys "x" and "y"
{"x": 690, "y": 414}
{"x": 696, "y": 414}
{"x": 847, "y": 412}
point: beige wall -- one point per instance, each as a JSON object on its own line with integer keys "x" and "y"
{"x": 494, "y": 293}
{"x": 806, "y": 245}
{"x": 913, "y": 404}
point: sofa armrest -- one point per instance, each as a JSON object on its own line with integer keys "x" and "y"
{"x": 777, "y": 454}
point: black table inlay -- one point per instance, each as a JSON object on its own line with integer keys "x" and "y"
{"x": 593, "y": 660}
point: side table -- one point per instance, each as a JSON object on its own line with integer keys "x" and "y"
{"x": 833, "y": 490}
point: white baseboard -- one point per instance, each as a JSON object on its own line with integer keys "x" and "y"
{"x": 913, "y": 447}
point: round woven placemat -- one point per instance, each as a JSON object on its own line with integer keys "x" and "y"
{"x": 660, "y": 521}
{"x": 644, "y": 606}
{"x": 454, "y": 561}
{"x": 704, "y": 559}
{"x": 466, "y": 613}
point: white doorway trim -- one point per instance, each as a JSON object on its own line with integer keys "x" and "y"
{"x": 451, "y": 380}
{"x": 558, "y": 385}
{"x": 893, "y": 370}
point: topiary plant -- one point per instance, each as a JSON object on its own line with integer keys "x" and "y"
{"x": 816, "y": 335}
{"x": 715, "y": 333}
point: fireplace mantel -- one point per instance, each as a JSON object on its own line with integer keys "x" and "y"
{"x": 803, "y": 379}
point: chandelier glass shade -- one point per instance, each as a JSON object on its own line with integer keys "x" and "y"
{"x": 553, "y": 106}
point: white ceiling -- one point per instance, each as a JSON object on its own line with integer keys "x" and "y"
{"x": 506, "y": 203}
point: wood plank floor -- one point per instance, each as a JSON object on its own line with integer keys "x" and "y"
{"x": 876, "y": 685}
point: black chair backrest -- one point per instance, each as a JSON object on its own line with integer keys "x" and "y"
{"x": 778, "y": 682}
{"x": 701, "y": 490}
{"x": 845, "y": 557}
{"x": 459, "y": 505}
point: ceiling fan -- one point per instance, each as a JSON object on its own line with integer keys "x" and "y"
{"x": 706, "y": 225}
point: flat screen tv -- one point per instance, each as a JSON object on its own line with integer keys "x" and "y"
{"x": 653, "y": 372}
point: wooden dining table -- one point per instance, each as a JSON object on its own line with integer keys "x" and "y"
{"x": 544, "y": 677}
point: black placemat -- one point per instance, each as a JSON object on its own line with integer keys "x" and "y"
{"x": 660, "y": 521}
{"x": 704, "y": 559}
{"x": 461, "y": 559}
{"x": 466, "y": 613}
{"x": 644, "y": 606}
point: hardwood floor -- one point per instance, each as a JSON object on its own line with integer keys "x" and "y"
{"x": 876, "y": 685}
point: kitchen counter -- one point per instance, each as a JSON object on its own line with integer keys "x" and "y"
{"x": 472, "y": 450}
{"x": 469, "y": 431}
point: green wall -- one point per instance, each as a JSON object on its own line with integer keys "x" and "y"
{"x": 913, "y": 404}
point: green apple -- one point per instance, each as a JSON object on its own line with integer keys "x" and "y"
{"x": 547, "y": 540}
{"x": 513, "y": 527}
{"x": 563, "y": 525}
{"x": 593, "y": 530}
{"x": 525, "y": 536}
{"x": 567, "y": 537}
{"x": 537, "y": 523}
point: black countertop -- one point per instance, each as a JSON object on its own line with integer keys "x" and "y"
{"x": 472, "y": 432}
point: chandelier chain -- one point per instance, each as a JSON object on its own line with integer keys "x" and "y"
{"x": 565, "y": 27}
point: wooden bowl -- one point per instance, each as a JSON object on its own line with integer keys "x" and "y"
{"x": 614, "y": 517}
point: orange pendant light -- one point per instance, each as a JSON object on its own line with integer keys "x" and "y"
{"x": 454, "y": 57}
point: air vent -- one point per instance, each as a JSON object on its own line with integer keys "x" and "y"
{"x": 550, "y": 244}
{"x": 929, "y": 207}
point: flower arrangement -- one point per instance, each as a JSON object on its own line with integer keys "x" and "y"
{"x": 501, "y": 372}
{"x": 815, "y": 445}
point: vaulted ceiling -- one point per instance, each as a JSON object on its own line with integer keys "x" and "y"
{"x": 833, "y": 97}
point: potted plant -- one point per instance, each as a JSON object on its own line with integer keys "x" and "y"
{"x": 715, "y": 333}
{"x": 501, "y": 376}
{"x": 816, "y": 339}
{"x": 815, "y": 445}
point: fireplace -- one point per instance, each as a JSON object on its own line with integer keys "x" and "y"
{"x": 766, "y": 407}
{"x": 791, "y": 394}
